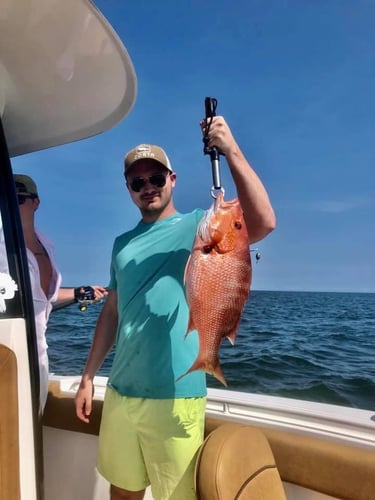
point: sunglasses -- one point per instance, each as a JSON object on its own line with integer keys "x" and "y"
{"x": 23, "y": 197}
{"x": 139, "y": 183}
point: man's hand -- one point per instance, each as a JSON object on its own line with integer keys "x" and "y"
{"x": 99, "y": 292}
{"x": 83, "y": 400}
{"x": 219, "y": 135}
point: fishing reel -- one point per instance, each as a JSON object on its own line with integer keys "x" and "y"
{"x": 257, "y": 254}
{"x": 84, "y": 295}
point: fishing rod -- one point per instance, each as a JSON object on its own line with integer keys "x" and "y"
{"x": 210, "y": 105}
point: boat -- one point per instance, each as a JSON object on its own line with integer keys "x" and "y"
{"x": 256, "y": 446}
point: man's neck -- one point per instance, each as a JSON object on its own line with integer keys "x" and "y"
{"x": 29, "y": 233}
{"x": 150, "y": 216}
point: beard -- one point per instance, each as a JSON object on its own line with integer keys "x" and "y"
{"x": 155, "y": 206}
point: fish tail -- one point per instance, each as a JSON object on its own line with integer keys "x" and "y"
{"x": 218, "y": 374}
{"x": 200, "y": 364}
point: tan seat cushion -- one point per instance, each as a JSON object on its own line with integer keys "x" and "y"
{"x": 9, "y": 432}
{"x": 235, "y": 462}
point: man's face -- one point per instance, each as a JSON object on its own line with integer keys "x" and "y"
{"x": 27, "y": 203}
{"x": 146, "y": 186}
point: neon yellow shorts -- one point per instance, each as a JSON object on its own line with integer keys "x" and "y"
{"x": 151, "y": 441}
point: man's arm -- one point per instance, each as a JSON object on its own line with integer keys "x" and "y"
{"x": 258, "y": 212}
{"x": 104, "y": 338}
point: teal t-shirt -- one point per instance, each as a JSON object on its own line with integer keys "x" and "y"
{"x": 147, "y": 271}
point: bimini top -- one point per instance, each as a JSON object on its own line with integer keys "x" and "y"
{"x": 64, "y": 73}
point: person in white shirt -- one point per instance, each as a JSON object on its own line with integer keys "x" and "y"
{"x": 45, "y": 277}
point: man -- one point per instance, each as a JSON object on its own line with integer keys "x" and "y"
{"x": 44, "y": 276}
{"x": 152, "y": 426}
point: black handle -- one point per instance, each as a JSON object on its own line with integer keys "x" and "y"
{"x": 210, "y": 105}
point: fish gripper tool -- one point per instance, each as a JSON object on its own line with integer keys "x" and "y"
{"x": 210, "y": 105}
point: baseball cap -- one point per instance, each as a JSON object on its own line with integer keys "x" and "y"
{"x": 146, "y": 152}
{"x": 25, "y": 184}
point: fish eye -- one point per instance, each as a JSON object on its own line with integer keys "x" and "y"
{"x": 238, "y": 224}
{"x": 207, "y": 249}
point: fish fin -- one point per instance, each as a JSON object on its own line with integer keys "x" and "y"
{"x": 218, "y": 374}
{"x": 181, "y": 376}
{"x": 232, "y": 335}
{"x": 186, "y": 268}
{"x": 199, "y": 364}
{"x": 190, "y": 327}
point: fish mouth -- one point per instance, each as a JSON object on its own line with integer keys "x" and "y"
{"x": 209, "y": 226}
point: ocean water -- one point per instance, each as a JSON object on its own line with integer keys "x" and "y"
{"x": 306, "y": 345}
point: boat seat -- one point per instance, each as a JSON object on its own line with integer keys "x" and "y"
{"x": 235, "y": 462}
{"x": 9, "y": 442}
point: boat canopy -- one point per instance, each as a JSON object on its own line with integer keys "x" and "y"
{"x": 64, "y": 73}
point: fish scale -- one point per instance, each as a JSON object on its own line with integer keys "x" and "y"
{"x": 217, "y": 281}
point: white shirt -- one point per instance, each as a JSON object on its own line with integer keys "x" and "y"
{"x": 42, "y": 303}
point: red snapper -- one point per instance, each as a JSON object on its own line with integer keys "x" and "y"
{"x": 217, "y": 280}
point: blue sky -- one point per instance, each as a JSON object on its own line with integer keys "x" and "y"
{"x": 295, "y": 81}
